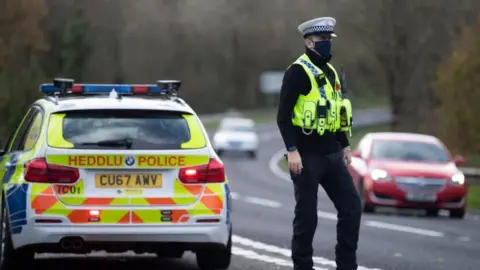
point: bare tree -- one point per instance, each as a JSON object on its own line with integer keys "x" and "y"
{"x": 407, "y": 40}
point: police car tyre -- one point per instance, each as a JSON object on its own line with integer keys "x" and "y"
{"x": 252, "y": 154}
{"x": 217, "y": 258}
{"x": 457, "y": 214}
{"x": 11, "y": 258}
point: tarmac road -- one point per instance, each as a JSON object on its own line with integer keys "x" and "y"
{"x": 262, "y": 217}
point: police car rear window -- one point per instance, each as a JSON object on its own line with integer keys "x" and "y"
{"x": 121, "y": 129}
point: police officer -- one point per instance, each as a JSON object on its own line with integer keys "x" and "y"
{"x": 314, "y": 120}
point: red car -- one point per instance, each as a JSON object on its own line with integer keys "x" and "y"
{"x": 406, "y": 170}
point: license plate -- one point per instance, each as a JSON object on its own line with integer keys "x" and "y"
{"x": 419, "y": 197}
{"x": 128, "y": 180}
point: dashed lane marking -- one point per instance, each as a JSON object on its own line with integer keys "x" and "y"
{"x": 400, "y": 228}
{"x": 252, "y": 255}
{"x": 275, "y": 169}
{"x": 263, "y": 202}
{"x": 333, "y": 216}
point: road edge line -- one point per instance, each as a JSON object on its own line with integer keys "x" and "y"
{"x": 275, "y": 169}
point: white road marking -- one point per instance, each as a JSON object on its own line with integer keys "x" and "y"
{"x": 327, "y": 215}
{"x": 463, "y": 239}
{"x": 333, "y": 216}
{"x": 238, "y": 240}
{"x": 235, "y": 196}
{"x": 252, "y": 255}
{"x": 401, "y": 228}
{"x": 263, "y": 202}
{"x": 473, "y": 217}
{"x": 388, "y": 226}
{"x": 273, "y": 166}
{"x": 278, "y": 172}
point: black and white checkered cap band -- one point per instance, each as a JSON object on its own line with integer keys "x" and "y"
{"x": 318, "y": 29}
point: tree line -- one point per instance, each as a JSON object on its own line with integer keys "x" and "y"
{"x": 409, "y": 52}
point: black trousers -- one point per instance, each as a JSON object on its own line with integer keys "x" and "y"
{"x": 332, "y": 173}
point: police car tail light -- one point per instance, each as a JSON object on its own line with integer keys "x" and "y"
{"x": 39, "y": 171}
{"x": 213, "y": 172}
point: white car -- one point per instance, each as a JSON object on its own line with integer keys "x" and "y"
{"x": 106, "y": 167}
{"x": 236, "y": 134}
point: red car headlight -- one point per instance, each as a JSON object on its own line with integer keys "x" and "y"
{"x": 379, "y": 175}
{"x": 457, "y": 179}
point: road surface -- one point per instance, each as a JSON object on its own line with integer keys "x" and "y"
{"x": 262, "y": 216}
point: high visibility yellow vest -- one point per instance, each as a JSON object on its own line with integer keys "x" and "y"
{"x": 323, "y": 108}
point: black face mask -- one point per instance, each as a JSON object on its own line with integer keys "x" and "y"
{"x": 324, "y": 48}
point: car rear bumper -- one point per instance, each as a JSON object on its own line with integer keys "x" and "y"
{"x": 52, "y": 234}
{"x": 388, "y": 194}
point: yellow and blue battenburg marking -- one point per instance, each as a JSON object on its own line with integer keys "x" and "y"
{"x": 16, "y": 196}
{"x": 17, "y": 207}
{"x": 200, "y": 200}
{"x": 228, "y": 202}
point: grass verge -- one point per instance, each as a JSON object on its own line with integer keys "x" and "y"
{"x": 473, "y": 199}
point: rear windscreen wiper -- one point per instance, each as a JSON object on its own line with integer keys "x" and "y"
{"x": 127, "y": 143}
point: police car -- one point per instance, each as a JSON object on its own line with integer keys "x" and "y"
{"x": 115, "y": 168}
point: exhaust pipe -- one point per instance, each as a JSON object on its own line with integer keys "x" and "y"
{"x": 66, "y": 243}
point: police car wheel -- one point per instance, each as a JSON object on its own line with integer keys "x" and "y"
{"x": 252, "y": 154}
{"x": 215, "y": 258}
{"x": 11, "y": 258}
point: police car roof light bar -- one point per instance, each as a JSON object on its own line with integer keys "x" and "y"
{"x": 67, "y": 86}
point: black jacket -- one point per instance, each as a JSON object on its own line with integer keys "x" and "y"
{"x": 296, "y": 82}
